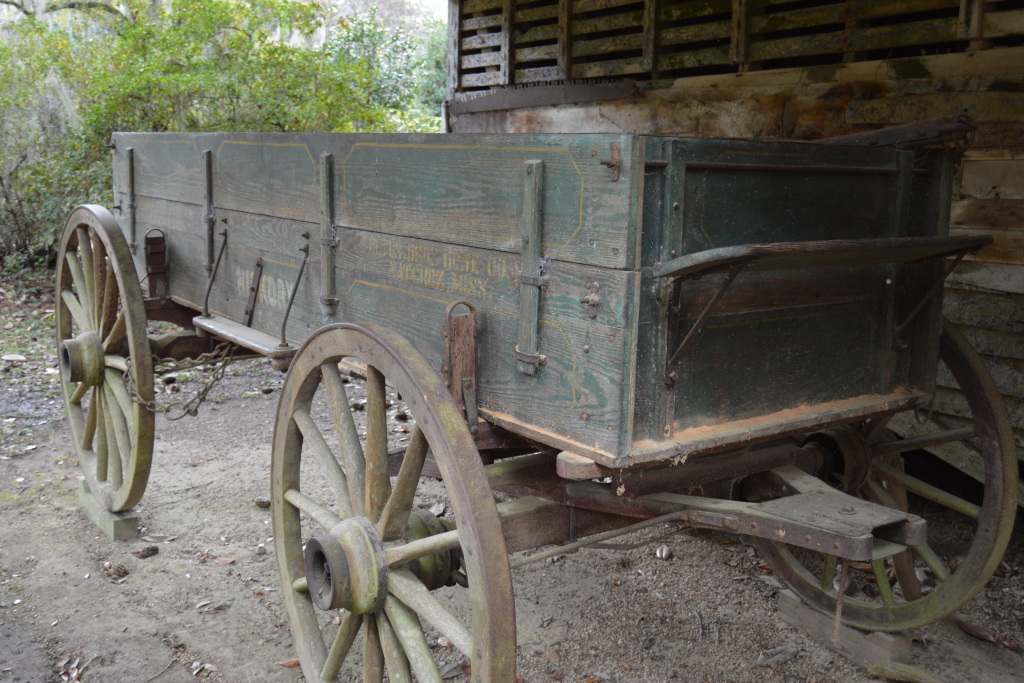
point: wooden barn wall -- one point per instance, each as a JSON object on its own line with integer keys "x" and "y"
{"x": 807, "y": 102}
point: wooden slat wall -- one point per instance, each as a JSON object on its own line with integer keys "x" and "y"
{"x": 508, "y": 42}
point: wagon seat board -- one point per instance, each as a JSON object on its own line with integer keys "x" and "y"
{"x": 408, "y": 224}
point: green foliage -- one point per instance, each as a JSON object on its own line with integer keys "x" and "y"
{"x": 432, "y": 85}
{"x": 192, "y": 65}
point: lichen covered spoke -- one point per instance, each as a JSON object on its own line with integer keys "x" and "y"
{"x": 326, "y": 518}
{"x": 414, "y": 642}
{"x": 343, "y": 640}
{"x": 324, "y": 456}
{"x": 394, "y": 656}
{"x": 395, "y": 516}
{"x": 351, "y": 450}
{"x": 378, "y": 480}
{"x": 373, "y": 655}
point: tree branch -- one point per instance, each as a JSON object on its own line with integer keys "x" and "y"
{"x": 84, "y": 5}
{"x": 18, "y": 5}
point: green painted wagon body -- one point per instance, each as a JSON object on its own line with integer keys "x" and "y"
{"x": 398, "y": 227}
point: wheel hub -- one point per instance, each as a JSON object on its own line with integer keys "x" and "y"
{"x": 845, "y": 457}
{"x": 81, "y": 359}
{"x": 346, "y": 568}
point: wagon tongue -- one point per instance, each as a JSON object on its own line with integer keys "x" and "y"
{"x": 816, "y": 516}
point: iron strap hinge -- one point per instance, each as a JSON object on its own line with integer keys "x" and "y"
{"x": 328, "y": 236}
{"x": 531, "y": 277}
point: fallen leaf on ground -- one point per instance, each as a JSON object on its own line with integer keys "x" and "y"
{"x": 776, "y": 655}
{"x": 223, "y": 560}
{"x": 973, "y": 630}
{"x": 158, "y": 538}
{"x": 290, "y": 663}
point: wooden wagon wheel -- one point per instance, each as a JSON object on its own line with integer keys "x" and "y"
{"x": 104, "y": 355}
{"x": 903, "y": 598}
{"x": 358, "y": 557}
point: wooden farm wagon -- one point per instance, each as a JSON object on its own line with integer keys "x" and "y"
{"x": 610, "y": 330}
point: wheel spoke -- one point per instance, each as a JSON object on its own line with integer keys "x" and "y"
{"x": 114, "y": 471}
{"x": 932, "y": 493}
{"x": 109, "y": 302}
{"x": 431, "y": 545}
{"x": 343, "y": 640}
{"x": 378, "y": 479}
{"x": 410, "y": 633}
{"x": 882, "y": 582}
{"x": 115, "y": 382}
{"x": 98, "y": 427}
{"x": 395, "y": 516}
{"x": 828, "y": 575}
{"x": 121, "y": 433}
{"x": 925, "y": 441}
{"x": 77, "y": 312}
{"x": 116, "y": 362}
{"x": 82, "y": 287}
{"x": 323, "y": 516}
{"x": 113, "y": 340}
{"x": 85, "y": 247}
{"x": 931, "y": 559}
{"x": 373, "y": 655}
{"x": 394, "y": 656}
{"x": 351, "y": 450}
{"x": 325, "y": 457}
{"x": 78, "y": 393}
{"x": 410, "y": 590}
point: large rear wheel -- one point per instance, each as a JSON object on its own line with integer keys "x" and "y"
{"x": 368, "y": 570}
{"x": 966, "y": 538}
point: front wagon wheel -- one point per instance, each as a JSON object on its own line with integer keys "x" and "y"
{"x": 925, "y": 583}
{"x": 105, "y": 360}
{"x": 368, "y": 564}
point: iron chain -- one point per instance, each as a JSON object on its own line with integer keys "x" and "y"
{"x": 221, "y": 356}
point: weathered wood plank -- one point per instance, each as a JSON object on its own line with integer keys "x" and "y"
{"x": 424, "y": 186}
{"x": 995, "y": 342}
{"x": 993, "y": 277}
{"x": 1008, "y": 246}
{"x": 907, "y": 104}
{"x": 999, "y": 23}
{"x": 480, "y": 80}
{"x": 536, "y": 13}
{"x": 536, "y": 34}
{"x": 797, "y": 19}
{"x": 690, "y": 59}
{"x": 997, "y": 213}
{"x": 603, "y": 46}
{"x": 474, "y": 6}
{"x": 993, "y": 179}
{"x": 616, "y": 67}
{"x": 631, "y": 20}
{"x": 712, "y": 30}
{"x": 795, "y": 46}
{"x": 985, "y": 310}
{"x": 481, "y": 40}
{"x": 479, "y": 60}
{"x": 680, "y": 11}
{"x": 540, "y": 74}
{"x": 533, "y": 54}
{"x": 477, "y": 23}
{"x": 1008, "y": 374}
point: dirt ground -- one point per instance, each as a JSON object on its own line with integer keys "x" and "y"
{"x": 207, "y": 604}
